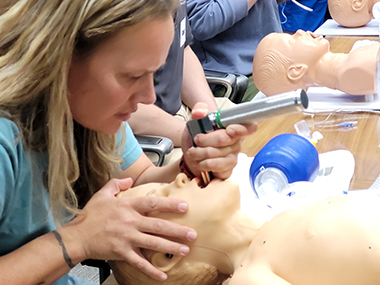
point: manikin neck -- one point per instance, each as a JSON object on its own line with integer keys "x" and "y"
{"x": 246, "y": 226}
{"x": 326, "y": 71}
{"x": 230, "y": 245}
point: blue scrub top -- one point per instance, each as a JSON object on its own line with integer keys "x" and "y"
{"x": 294, "y": 17}
{"x": 24, "y": 201}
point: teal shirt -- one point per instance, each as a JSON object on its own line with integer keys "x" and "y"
{"x": 24, "y": 201}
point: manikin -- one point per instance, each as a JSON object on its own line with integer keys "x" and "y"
{"x": 334, "y": 241}
{"x": 286, "y": 62}
{"x": 351, "y": 13}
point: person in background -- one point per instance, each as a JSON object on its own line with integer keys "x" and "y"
{"x": 179, "y": 84}
{"x": 71, "y": 74}
{"x": 226, "y": 34}
{"x": 293, "y": 17}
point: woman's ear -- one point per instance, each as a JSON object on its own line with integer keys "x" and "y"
{"x": 165, "y": 261}
{"x": 296, "y": 72}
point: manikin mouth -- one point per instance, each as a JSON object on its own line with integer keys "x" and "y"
{"x": 201, "y": 184}
{"x": 314, "y": 36}
{"x": 198, "y": 181}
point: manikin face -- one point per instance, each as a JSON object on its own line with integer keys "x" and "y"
{"x": 214, "y": 212}
{"x": 105, "y": 87}
{"x": 285, "y": 62}
{"x": 217, "y": 202}
{"x": 303, "y": 47}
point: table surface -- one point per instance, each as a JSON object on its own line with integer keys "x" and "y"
{"x": 345, "y": 43}
{"x": 362, "y": 140}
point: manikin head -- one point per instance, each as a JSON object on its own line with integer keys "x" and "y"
{"x": 212, "y": 212}
{"x": 351, "y": 13}
{"x": 284, "y": 62}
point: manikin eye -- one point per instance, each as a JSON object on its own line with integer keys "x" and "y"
{"x": 169, "y": 255}
{"x": 151, "y": 192}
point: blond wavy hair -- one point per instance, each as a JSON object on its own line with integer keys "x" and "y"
{"x": 183, "y": 273}
{"x": 37, "y": 41}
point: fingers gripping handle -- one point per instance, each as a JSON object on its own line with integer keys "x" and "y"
{"x": 246, "y": 113}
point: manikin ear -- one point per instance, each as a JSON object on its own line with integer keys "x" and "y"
{"x": 165, "y": 261}
{"x": 357, "y": 5}
{"x": 296, "y": 72}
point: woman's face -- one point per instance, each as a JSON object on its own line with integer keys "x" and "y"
{"x": 105, "y": 87}
{"x": 217, "y": 202}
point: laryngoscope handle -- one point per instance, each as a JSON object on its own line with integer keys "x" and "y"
{"x": 249, "y": 112}
{"x": 256, "y": 111}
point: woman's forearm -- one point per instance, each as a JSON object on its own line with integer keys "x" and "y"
{"x": 40, "y": 261}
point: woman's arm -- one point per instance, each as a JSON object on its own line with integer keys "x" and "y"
{"x": 40, "y": 261}
{"x": 108, "y": 228}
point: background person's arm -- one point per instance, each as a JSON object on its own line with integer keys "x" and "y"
{"x": 209, "y": 18}
{"x": 152, "y": 120}
{"x": 194, "y": 85}
{"x": 252, "y": 2}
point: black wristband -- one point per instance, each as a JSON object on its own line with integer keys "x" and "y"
{"x": 64, "y": 251}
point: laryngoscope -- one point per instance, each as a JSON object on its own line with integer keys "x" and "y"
{"x": 249, "y": 112}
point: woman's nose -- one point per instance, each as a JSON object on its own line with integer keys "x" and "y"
{"x": 147, "y": 93}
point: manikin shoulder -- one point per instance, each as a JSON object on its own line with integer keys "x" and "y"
{"x": 257, "y": 275}
{"x": 331, "y": 210}
{"x": 356, "y": 75}
{"x": 321, "y": 237}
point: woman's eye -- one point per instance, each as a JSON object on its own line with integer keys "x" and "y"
{"x": 134, "y": 78}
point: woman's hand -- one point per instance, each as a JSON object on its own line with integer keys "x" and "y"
{"x": 216, "y": 151}
{"x": 111, "y": 228}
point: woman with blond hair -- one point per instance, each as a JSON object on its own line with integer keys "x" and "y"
{"x": 71, "y": 74}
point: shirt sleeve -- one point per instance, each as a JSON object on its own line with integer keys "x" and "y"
{"x": 132, "y": 149}
{"x": 8, "y": 163}
{"x": 189, "y": 33}
{"x": 209, "y": 18}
